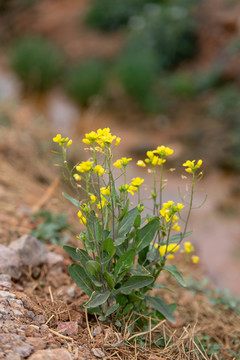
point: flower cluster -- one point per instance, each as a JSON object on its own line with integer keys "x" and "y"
{"x": 61, "y": 141}
{"x": 123, "y": 162}
{"x": 190, "y": 167}
{"x": 102, "y": 137}
{"x": 169, "y": 211}
{"x": 99, "y": 197}
{"x": 156, "y": 157}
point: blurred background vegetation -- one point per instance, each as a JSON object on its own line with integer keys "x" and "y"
{"x": 149, "y": 54}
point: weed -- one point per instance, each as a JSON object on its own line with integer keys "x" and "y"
{"x": 52, "y": 228}
{"x": 36, "y": 61}
{"x": 86, "y": 80}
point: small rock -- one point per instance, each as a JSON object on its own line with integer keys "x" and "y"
{"x": 55, "y": 354}
{"x": 68, "y": 327}
{"x": 71, "y": 291}
{"x": 98, "y": 353}
{"x": 10, "y": 263}
{"x": 97, "y": 330}
{"x": 30, "y": 250}
{"x": 16, "y": 312}
{"x": 5, "y": 277}
{"x": 6, "y": 294}
{"x": 39, "y": 319}
{"x": 36, "y": 342}
{"x": 12, "y": 356}
{"x": 24, "y": 350}
{"x": 53, "y": 259}
{"x": 6, "y": 284}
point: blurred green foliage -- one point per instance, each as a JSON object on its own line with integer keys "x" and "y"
{"x": 51, "y": 228}
{"x": 85, "y": 80}
{"x": 108, "y": 15}
{"x": 36, "y": 61}
{"x": 137, "y": 73}
{"x": 170, "y": 30}
{"x": 226, "y": 108}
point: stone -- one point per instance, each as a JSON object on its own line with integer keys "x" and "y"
{"x": 10, "y": 263}
{"x": 54, "y": 354}
{"x": 24, "y": 349}
{"x": 30, "y": 250}
{"x": 6, "y": 295}
{"x": 12, "y": 356}
{"x": 67, "y": 327}
{"x": 98, "y": 353}
{"x": 53, "y": 259}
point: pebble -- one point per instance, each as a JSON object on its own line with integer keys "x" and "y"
{"x": 10, "y": 263}
{"x": 55, "y": 354}
{"x": 30, "y": 250}
{"x": 67, "y": 327}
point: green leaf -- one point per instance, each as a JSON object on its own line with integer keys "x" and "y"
{"x": 137, "y": 221}
{"x": 111, "y": 310}
{"x": 160, "y": 286}
{"x": 125, "y": 226}
{"x": 80, "y": 277}
{"x": 135, "y": 282}
{"x": 108, "y": 277}
{"x": 75, "y": 202}
{"x": 161, "y": 306}
{"x": 177, "y": 238}
{"x": 146, "y": 234}
{"x": 93, "y": 267}
{"x": 124, "y": 263}
{"x": 172, "y": 269}
{"x": 108, "y": 246}
{"x": 140, "y": 270}
{"x": 77, "y": 254}
{"x": 97, "y": 299}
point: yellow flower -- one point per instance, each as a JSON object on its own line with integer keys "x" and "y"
{"x": 125, "y": 161}
{"x": 93, "y": 198}
{"x": 118, "y": 140}
{"x": 99, "y": 169}
{"x": 188, "y": 247}
{"x": 161, "y": 161}
{"x": 137, "y": 181}
{"x": 57, "y": 138}
{"x": 118, "y": 164}
{"x": 155, "y": 160}
{"x": 170, "y": 257}
{"x": 61, "y": 141}
{"x": 163, "y": 249}
{"x": 195, "y": 259}
{"x": 90, "y": 138}
{"x": 175, "y": 218}
{"x": 105, "y": 191}
{"x": 122, "y": 162}
{"x": 176, "y": 227}
{"x": 69, "y": 143}
{"x": 156, "y": 246}
{"x": 132, "y": 189}
{"x": 163, "y": 151}
{"x": 77, "y": 177}
{"x": 190, "y": 167}
{"x": 82, "y": 219}
{"x": 84, "y": 166}
{"x": 180, "y": 206}
{"x": 141, "y": 163}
